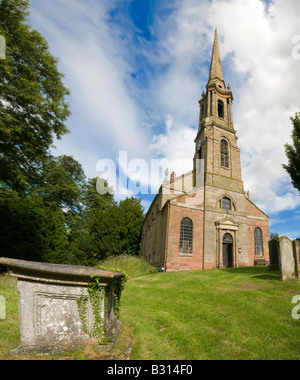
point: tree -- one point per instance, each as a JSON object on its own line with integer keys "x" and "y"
{"x": 293, "y": 153}
{"x": 92, "y": 235}
{"x": 131, "y": 221}
{"x": 274, "y": 236}
{"x": 105, "y": 228}
{"x": 33, "y": 108}
{"x": 31, "y": 231}
{"x": 62, "y": 182}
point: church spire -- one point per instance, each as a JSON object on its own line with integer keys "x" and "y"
{"x": 216, "y": 102}
{"x": 216, "y": 72}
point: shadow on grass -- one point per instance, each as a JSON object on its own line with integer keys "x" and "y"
{"x": 261, "y": 273}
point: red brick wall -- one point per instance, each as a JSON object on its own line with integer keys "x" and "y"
{"x": 264, "y": 226}
{"x": 176, "y": 261}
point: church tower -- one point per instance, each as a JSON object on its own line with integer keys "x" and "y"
{"x": 216, "y": 141}
{"x": 217, "y": 157}
{"x": 203, "y": 219}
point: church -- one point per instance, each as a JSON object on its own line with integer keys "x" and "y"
{"x": 204, "y": 219}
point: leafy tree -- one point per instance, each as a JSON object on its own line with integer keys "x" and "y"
{"x": 274, "y": 236}
{"x": 89, "y": 230}
{"x": 62, "y": 182}
{"x": 293, "y": 153}
{"x": 105, "y": 228}
{"x": 33, "y": 108}
{"x": 31, "y": 231}
{"x": 131, "y": 220}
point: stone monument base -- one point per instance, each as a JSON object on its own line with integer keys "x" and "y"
{"x": 62, "y": 307}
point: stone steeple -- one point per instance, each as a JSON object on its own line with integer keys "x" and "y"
{"x": 216, "y": 141}
{"x": 216, "y": 102}
{"x": 216, "y": 72}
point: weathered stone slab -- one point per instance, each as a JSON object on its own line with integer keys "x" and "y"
{"x": 296, "y": 245}
{"x": 287, "y": 262}
{"x": 55, "y": 311}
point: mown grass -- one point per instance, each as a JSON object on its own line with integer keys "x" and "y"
{"x": 9, "y": 328}
{"x": 233, "y": 314}
{"x": 239, "y": 313}
{"x": 133, "y": 266}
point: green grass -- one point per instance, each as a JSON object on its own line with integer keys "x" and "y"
{"x": 9, "y": 328}
{"x": 133, "y": 266}
{"x": 240, "y": 313}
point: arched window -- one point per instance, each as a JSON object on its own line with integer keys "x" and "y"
{"x": 186, "y": 236}
{"x": 258, "y": 242}
{"x": 221, "y": 109}
{"x": 226, "y": 204}
{"x": 224, "y": 154}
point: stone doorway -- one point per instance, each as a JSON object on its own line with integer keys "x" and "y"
{"x": 227, "y": 251}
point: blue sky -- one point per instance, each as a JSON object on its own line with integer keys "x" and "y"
{"x": 136, "y": 70}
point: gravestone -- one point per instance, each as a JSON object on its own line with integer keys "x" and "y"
{"x": 287, "y": 262}
{"x": 274, "y": 254}
{"x": 296, "y": 245}
{"x": 55, "y": 309}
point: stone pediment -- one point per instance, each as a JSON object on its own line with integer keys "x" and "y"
{"x": 227, "y": 224}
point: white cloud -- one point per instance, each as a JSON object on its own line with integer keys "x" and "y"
{"x": 92, "y": 56}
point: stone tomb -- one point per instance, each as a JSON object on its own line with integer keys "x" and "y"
{"x": 50, "y": 296}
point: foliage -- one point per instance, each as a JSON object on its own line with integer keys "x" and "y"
{"x": 106, "y": 228}
{"x": 293, "y": 153}
{"x": 33, "y": 108}
{"x": 131, "y": 218}
{"x": 274, "y": 236}
{"x": 98, "y": 296}
{"x": 116, "y": 287}
{"x": 62, "y": 182}
{"x": 31, "y": 231}
{"x": 35, "y": 225}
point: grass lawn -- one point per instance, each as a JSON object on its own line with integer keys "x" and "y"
{"x": 240, "y": 313}
{"x": 9, "y": 328}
